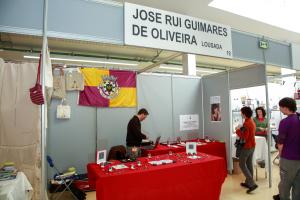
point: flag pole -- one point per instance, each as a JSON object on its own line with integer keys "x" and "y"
{"x": 44, "y": 107}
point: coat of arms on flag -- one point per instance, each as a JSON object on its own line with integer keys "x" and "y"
{"x": 108, "y": 88}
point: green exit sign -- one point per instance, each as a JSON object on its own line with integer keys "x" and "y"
{"x": 263, "y": 44}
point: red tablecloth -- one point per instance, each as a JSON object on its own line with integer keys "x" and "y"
{"x": 212, "y": 148}
{"x": 186, "y": 179}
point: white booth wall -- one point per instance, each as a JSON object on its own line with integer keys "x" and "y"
{"x": 217, "y": 85}
{"x": 74, "y": 142}
{"x": 220, "y": 85}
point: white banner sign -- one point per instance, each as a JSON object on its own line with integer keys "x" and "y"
{"x": 154, "y": 28}
{"x": 189, "y": 122}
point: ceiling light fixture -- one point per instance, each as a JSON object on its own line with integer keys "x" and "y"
{"x": 211, "y": 71}
{"x": 84, "y": 61}
{"x": 171, "y": 68}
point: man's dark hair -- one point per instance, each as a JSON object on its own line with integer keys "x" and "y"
{"x": 288, "y": 103}
{"x": 247, "y": 111}
{"x": 143, "y": 111}
{"x": 262, "y": 110}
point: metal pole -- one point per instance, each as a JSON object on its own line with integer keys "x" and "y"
{"x": 230, "y": 127}
{"x": 268, "y": 120}
{"x": 44, "y": 107}
{"x": 202, "y": 106}
{"x": 172, "y": 98}
{"x": 269, "y": 133}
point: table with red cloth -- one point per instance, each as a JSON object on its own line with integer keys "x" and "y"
{"x": 215, "y": 148}
{"x": 187, "y": 179}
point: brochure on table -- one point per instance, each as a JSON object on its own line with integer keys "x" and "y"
{"x": 191, "y": 148}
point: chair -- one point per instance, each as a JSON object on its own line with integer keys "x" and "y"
{"x": 258, "y": 162}
{"x": 275, "y": 137}
{"x": 117, "y": 153}
{"x": 66, "y": 180}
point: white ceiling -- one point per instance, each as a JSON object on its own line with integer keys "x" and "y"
{"x": 200, "y": 9}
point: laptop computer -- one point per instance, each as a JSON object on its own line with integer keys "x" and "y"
{"x": 151, "y": 147}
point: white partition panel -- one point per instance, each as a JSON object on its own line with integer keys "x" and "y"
{"x": 250, "y": 76}
{"x": 217, "y": 85}
{"x": 187, "y": 101}
{"x": 155, "y": 94}
{"x": 112, "y": 126}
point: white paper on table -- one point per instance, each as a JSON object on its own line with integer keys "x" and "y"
{"x": 155, "y": 162}
{"x": 160, "y": 162}
{"x": 121, "y": 166}
{"x": 167, "y": 161}
{"x": 194, "y": 157}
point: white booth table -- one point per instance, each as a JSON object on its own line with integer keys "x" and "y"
{"x": 260, "y": 152}
{"x": 16, "y": 189}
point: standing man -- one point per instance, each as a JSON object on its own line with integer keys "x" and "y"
{"x": 289, "y": 151}
{"x": 134, "y": 134}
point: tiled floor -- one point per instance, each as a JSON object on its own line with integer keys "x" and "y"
{"x": 231, "y": 189}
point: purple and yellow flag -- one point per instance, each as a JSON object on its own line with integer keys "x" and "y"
{"x": 108, "y": 88}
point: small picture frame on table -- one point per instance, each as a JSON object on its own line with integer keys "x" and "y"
{"x": 101, "y": 156}
{"x": 191, "y": 148}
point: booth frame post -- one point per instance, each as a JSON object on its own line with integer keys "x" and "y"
{"x": 268, "y": 120}
{"x": 44, "y": 106}
{"x": 189, "y": 64}
{"x": 172, "y": 95}
{"x": 230, "y": 170}
{"x": 202, "y": 102}
{"x": 269, "y": 132}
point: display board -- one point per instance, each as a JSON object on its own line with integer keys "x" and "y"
{"x": 217, "y": 85}
{"x": 250, "y": 76}
{"x": 150, "y": 27}
{"x": 65, "y": 16}
{"x": 21, "y": 16}
{"x": 112, "y": 126}
{"x": 187, "y": 89}
{"x": 295, "y": 56}
{"x": 154, "y": 94}
{"x": 279, "y": 54}
{"x": 165, "y": 96}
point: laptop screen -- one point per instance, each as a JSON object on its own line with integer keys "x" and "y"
{"x": 157, "y": 141}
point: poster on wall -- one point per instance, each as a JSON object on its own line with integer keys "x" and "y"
{"x": 215, "y": 114}
{"x": 189, "y": 122}
{"x": 160, "y": 29}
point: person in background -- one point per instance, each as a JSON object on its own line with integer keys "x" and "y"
{"x": 215, "y": 112}
{"x": 261, "y": 128}
{"x": 134, "y": 135}
{"x": 247, "y": 133}
{"x": 289, "y": 151}
{"x": 261, "y": 122}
